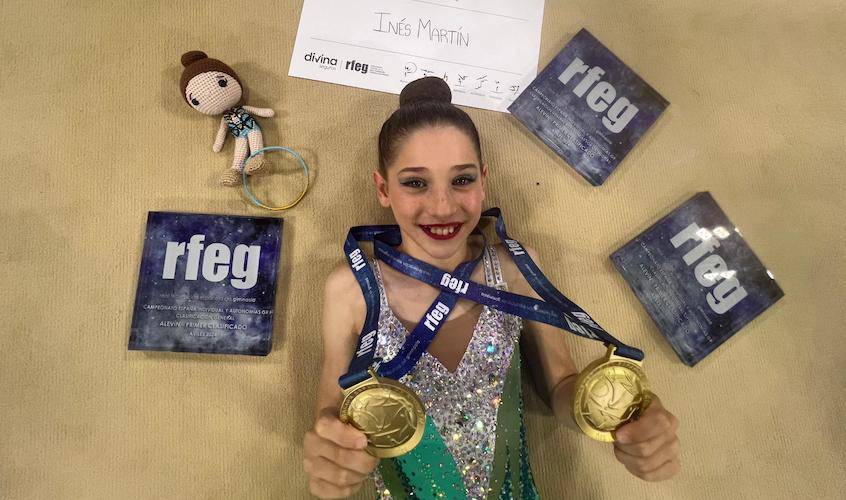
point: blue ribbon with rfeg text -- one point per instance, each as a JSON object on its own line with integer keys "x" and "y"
{"x": 555, "y": 309}
{"x": 419, "y": 338}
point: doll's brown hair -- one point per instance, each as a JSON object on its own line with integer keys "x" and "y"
{"x": 197, "y": 62}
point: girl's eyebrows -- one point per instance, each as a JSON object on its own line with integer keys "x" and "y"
{"x": 413, "y": 170}
{"x": 420, "y": 169}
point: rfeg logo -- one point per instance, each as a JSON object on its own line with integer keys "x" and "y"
{"x": 357, "y": 66}
{"x": 602, "y": 97}
{"x": 218, "y": 262}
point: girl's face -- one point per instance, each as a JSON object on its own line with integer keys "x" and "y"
{"x": 213, "y": 92}
{"x": 435, "y": 187}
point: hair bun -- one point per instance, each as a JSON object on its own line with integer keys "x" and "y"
{"x": 192, "y": 57}
{"x": 426, "y": 89}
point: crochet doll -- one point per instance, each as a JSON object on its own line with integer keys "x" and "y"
{"x": 212, "y": 88}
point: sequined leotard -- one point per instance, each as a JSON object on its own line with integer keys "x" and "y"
{"x": 474, "y": 444}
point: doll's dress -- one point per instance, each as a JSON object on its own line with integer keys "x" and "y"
{"x": 239, "y": 122}
{"x": 474, "y": 443}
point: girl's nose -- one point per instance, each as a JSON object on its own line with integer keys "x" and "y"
{"x": 443, "y": 205}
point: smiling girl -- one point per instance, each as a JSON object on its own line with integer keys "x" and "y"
{"x": 432, "y": 176}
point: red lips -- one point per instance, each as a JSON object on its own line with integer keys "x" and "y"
{"x": 441, "y": 231}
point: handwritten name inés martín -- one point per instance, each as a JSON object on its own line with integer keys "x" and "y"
{"x": 422, "y": 29}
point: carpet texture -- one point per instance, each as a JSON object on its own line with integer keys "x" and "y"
{"x": 96, "y": 135}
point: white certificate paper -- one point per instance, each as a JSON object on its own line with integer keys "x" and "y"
{"x": 486, "y": 50}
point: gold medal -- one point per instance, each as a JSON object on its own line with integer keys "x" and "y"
{"x": 609, "y": 392}
{"x": 389, "y": 413}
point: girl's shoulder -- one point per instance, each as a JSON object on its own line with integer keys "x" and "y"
{"x": 343, "y": 293}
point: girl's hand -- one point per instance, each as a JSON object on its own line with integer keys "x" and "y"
{"x": 335, "y": 460}
{"x": 649, "y": 447}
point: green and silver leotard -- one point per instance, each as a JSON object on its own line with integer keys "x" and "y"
{"x": 474, "y": 445}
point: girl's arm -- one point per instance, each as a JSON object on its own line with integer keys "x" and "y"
{"x": 334, "y": 456}
{"x": 546, "y": 350}
{"x": 647, "y": 447}
{"x": 343, "y": 313}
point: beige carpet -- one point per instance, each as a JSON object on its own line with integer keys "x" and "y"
{"x": 95, "y": 135}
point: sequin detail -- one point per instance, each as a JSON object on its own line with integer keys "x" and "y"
{"x": 462, "y": 405}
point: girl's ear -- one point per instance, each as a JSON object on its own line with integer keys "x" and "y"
{"x": 381, "y": 189}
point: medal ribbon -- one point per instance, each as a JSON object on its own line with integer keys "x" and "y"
{"x": 420, "y": 337}
{"x": 555, "y": 309}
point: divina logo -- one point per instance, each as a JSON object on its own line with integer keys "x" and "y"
{"x": 321, "y": 59}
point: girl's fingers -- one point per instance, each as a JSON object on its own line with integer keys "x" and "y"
{"x": 331, "y": 428}
{"x": 321, "y": 468}
{"x": 655, "y": 422}
{"x": 644, "y": 465}
{"x": 666, "y": 471}
{"x": 356, "y": 460}
{"x": 323, "y": 489}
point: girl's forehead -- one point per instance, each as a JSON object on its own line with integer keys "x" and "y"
{"x": 436, "y": 147}
{"x": 438, "y": 133}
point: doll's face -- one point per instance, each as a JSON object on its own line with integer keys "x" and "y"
{"x": 435, "y": 188}
{"x": 213, "y": 92}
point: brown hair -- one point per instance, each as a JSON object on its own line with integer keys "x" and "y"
{"x": 426, "y": 102}
{"x": 197, "y": 62}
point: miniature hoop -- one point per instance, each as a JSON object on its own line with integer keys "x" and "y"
{"x": 250, "y": 194}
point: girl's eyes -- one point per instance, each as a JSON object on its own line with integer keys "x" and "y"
{"x": 413, "y": 183}
{"x": 461, "y": 180}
